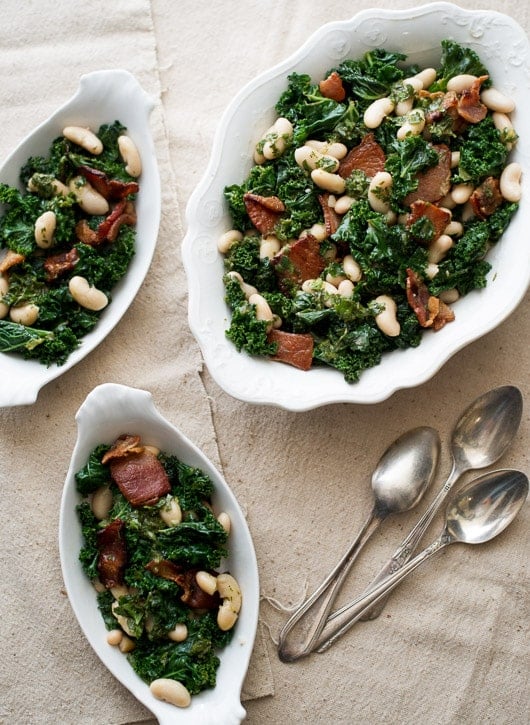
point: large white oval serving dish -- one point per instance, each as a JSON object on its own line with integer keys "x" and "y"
{"x": 102, "y": 97}
{"x": 109, "y": 411}
{"x": 504, "y": 49}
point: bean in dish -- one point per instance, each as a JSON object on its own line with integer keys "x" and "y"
{"x": 153, "y": 547}
{"x": 68, "y": 239}
{"x": 374, "y": 199}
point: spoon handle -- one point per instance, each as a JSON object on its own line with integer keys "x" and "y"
{"x": 406, "y": 549}
{"x": 346, "y": 617}
{"x": 296, "y": 642}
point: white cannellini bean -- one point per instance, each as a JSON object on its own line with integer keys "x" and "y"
{"x": 510, "y": 182}
{"x": 126, "y": 644}
{"x": 504, "y": 125}
{"x": 461, "y": 82}
{"x": 493, "y": 99}
{"x": 101, "y": 502}
{"x": 460, "y": 193}
{"x": 377, "y": 111}
{"x": 24, "y": 314}
{"x": 179, "y": 633}
{"x": 330, "y": 290}
{"x": 230, "y": 593}
{"x": 45, "y": 229}
{"x": 130, "y": 156}
{"x": 448, "y": 202}
{"x": 343, "y": 204}
{"x": 171, "y": 513}
{"x": 427, "y": 76}
{"x": 379, "y": 183}
{"x": 351, "y": 268}
{"x": 439, "y": 248}
{"x": 318, "y": 231}
{"x": 4, "y": 286}
{"x": 247, "y": 289}
{"x": 90, "y": 200}
{"x": 91, "y": 298}
{"x": 386, "y": 320}
{"x": 335, "y": 279}
{"x": 455, "y": 159}
{"x": 275, "y": 140}
{"x": 413, "y": 126}
{"x": 269, "y": 246}
{"x": 309, "y": 158}
{"x": 345, "y": 288}
{"x": 431, "y": 270}
{"x": 57, "y": 186}
{"x": 206, "y": 581}
{"x": 450, "y": 295}
{"x": 85, "y": 138}
{"x": 228, "y": 239}
{"x": 335, "y": 149}
{"x": 225, "y": 521}
{"x": 328, "y": 181}
{"x": 171, "y": 691}
{"x": 263, "y": 311}
{"x": 114, "y": 637}
{"x": 454, "y": 229}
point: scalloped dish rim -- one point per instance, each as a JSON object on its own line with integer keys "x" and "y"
{"x": 261, "y": 381}
{"x": 106, "y": 411}
{"x": 23, "y": 379}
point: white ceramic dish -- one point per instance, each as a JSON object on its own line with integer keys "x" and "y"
{"x": 108, "y": 411}
{"x": 102, "y": 97}
{"x": 504, "y": 48}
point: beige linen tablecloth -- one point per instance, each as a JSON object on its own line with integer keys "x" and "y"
{"x": 452, "y": 644}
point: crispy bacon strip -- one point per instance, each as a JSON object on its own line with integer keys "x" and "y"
{"x": 264, "y": 211}
{"x": 470, "y": 107}
{"x": 193, "y": 595}
{"x": 137, "y": 472}
{"x": 331, "y": 218}
{"x": 430, "y": 310}
{"x": 435, "y": 182}
{"x": 111, "y": 189}
{"x": 368, "y": 156}
{"x": 331, "y": 87}
{"x": 297, "y": 262}
{"x": 112, "y": 554}
{"x": 293, "y": 349}
{"x": 486, "y": 198}
{"x": 58, "y": 264}
{"x": 438, "y": 217}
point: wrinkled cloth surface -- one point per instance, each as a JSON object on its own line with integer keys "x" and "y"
{"x": 452, "y": 644}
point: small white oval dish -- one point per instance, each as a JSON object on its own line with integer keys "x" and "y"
{"x": 504, "y": 48}
{"x": 107, "y": 412}
{"x": 102, "y": 97}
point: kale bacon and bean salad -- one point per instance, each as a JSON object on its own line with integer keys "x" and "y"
{"x": 370, "y": 208}
{"x": 66, "y": 239}
{"x": 153, "y": 547}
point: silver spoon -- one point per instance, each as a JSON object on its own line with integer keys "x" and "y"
{"x": 481, "y": 435}
{"x": 398, "y": 483}
{"x": 476, "y": 513}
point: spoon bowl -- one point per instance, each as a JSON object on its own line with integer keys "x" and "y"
{"x": 400, "y": 479}
{"x": 480, "y": 437}
{"x": 476, "y": 514}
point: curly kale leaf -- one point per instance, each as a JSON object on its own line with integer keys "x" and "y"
{"x": 456, "y": 60}
{"x": 261, "y": 180}
{"x": 300, "y": 197}
{"x": 192, "y": 662}
{"x": 248, "y": 333}
{"x": 104, "y": 267}
{"x": 372, "y": 76}
{"x": 405, "y": 159}
{"x": 307, "y": 109}
{"x": 94, "y": 473}
{"x": 88, "y": 555}
{"x": 482, "y": 153}
{"x": 17, "y": 224}
{"x": 465, "y": 267}
{"x": 243, "y": 257}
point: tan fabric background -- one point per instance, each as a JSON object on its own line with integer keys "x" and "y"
{"x": 452, "y": 645}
